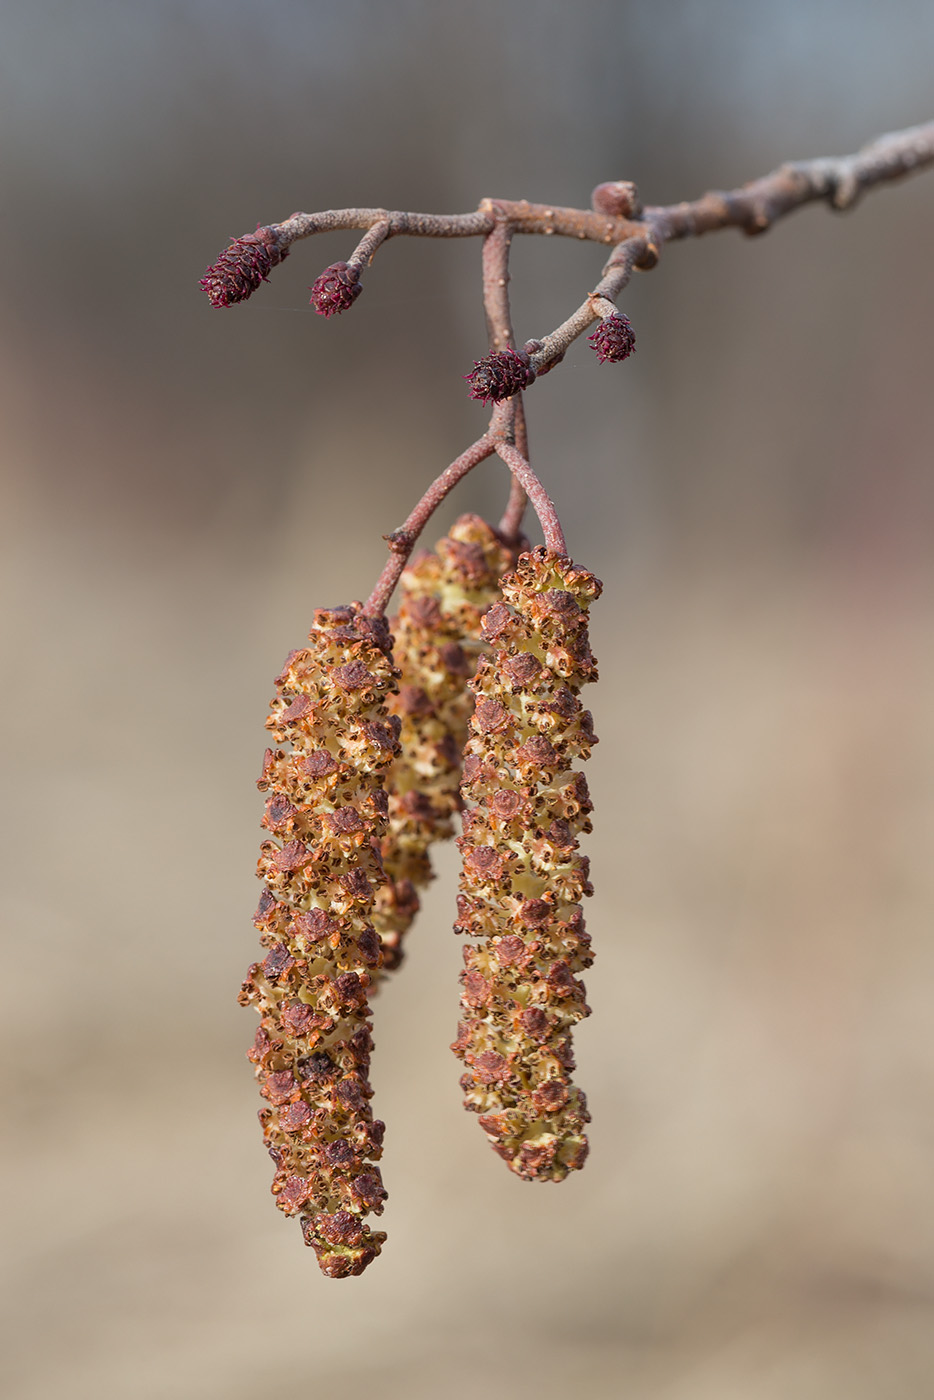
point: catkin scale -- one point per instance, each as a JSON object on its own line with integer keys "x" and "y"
{"x": 523, "y": 877}
{"x": 326, "y": 813}
{"x": 436, "y": 643}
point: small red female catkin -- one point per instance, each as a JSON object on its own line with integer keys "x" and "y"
{"x": 326, "y": 813}
{"x": 614, "y": 339}
{"x": 522, "y": 877}
{"x": 336, "y": 289}
{"x": 499, "y": 376}
{"x": 437, "y": 641}
{"x": 242, "y": 267}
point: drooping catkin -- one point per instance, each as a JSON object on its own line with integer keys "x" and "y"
{"x": 327, "y": 811}
{"x": 437, "y": 641}
{"x": 523, "y": 878}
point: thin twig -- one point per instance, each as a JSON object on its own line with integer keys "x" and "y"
{"x": 542, "y": 503}
{"x": 510, "y": 527}
{"x": 362, "y": 255}
{"x": 838, "y": 179}
{"x": 753, "y": 208}
{"x": 415, "y": 225}
{"x": 501, "y": 336}
{"x": 637, "y": 236}
{"x": 616, "y": 274}
{"x": 402, "y": 541}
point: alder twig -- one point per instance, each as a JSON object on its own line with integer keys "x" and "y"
{"x": 501, "y": 336}
{"x": 300, "y": 225}
{"x": 542, "y": 503}
{"x": 510, "y": 527}
{"x": 754, "y": 207}
{"x": 402, "y": 541}
{"x": 363, "y": 254}
{"x": 637, "y": 235}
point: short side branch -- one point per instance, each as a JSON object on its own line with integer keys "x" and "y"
{"x": 416, "y": 225}
{"x": 754, "y": 208}
{"x": 402, "y": 541}
{"x": 542, "y": 503}
{"x": 501, "y": 336}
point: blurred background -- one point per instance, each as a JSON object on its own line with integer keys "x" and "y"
{"x": 184, "y": 485}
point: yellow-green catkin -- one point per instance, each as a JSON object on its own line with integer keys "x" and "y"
{"x": 326, "y": 813}
{"x": 523, "y": 878}
{"x": 437, "y": 641}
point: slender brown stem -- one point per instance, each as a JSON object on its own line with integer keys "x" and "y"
{"x": 510, "y": 527}
{"x": 402, "y": 541}
{"x": 840, "y": 180}
{"x": 362, "y": 255}
{"x": 496, "y": 285}
{"x": 637, "y": 237}
{"x": 542, "y": 503}
{"x": 616, "y": 275}
{"x": 501, "y": 336}
{"x": 753, "y": 209}
{"x": 415, "y": 225}
{"x": 507, "y": 422}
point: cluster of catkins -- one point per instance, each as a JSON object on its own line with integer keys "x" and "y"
{"x": 467, "y": 701}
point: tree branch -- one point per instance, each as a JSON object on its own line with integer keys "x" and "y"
{"x": 617, "y": 218}
{"x": 753, "y": 208}
{"x": 501, "y": 336}
{"x": 542, "y": 503}
{"x": 402, "y": 541}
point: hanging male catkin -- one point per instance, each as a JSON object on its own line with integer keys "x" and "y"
{"x": 327, "y": 812}
{"x": 523, "y": 879}
{"x": 436, "y": 643}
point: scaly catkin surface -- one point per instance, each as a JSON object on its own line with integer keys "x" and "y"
{"x": 437, "y": 642}
{"x": 327, "y": 810}
{"x": 523, "y": 878}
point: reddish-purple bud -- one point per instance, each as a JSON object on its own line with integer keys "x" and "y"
{"x": 619, "y": 198}
{"x": 242, "y": 267}
{"x": 614, "y": 339}
{"x": 336, "y": 289}
{"x": 499, "y": 376}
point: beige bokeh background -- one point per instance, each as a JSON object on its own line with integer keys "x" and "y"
{"x": 184, "y": 485}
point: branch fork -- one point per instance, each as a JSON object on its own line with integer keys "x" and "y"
{"x": 618, "y": 219}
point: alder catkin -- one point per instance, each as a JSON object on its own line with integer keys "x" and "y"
{"x": 243, "y": 266}
{"x": 437, "y": 641}
{"x": 336, "y": 289}
{"x": 523, "y": 878}
{"x": 499, "y": 375}
{"x": 327, "y": 811}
